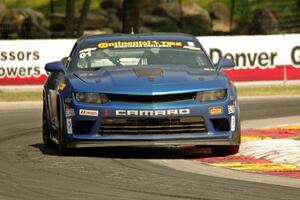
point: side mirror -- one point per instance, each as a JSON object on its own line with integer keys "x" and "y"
{"x": 225, "y": 63}
{"x": 57, "y": 66}
{"x": 64, "y": 60}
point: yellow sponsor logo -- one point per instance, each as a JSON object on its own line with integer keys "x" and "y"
{"x": 216, "y": 110}
{"x": 147, "y": 43}
{"x": 61, "y": 86}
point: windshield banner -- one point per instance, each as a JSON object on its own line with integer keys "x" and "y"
{"x": 257, "y": 58}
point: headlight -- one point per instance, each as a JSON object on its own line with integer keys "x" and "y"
{"x": 91, "y": 97}
{"x": 211, "y": 95}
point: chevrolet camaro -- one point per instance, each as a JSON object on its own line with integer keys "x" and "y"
{"x": 140, "y": 89}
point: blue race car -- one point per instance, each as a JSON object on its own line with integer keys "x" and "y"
{"x": 141, "y": 89}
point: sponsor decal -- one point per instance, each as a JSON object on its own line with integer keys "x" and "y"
{"x": 134, "y": 44}
{"x": 70, "y": 112}
{"x": 69, "y": 126}
{"x": 217, "y": 110}
{"x": 231, "y": 109}
{"x": 93, "y": 113}
{"x": 61, "y": 86}
{"x": 152, "y": 112}
{"x": 232, "y": 124}
{"x": 86, "y": 52}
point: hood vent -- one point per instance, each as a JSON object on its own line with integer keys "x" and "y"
{"x": 148, "y": 72}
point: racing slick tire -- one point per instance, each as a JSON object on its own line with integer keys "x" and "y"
{"x": 47, "y": 141}
{"x": 225, "y": 150}
{"x": 62, "y": 144}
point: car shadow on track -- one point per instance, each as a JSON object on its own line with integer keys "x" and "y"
{"x": 132, "y": 152}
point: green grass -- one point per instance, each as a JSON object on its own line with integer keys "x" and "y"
{"x": 242, "y": 91}
{"x": 269, "y": 90}
{"x": 21, "y": 96}
{"x": 297, "y": 138}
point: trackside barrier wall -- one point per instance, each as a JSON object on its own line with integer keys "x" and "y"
{"x": 258, "y": 58}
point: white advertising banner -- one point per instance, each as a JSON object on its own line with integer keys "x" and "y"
{"x": 255, "y": 51}
{"x": 257, "y": 58}
{"x": 291, "y": 49}
{"x": 22, "y": 61}
{"x": 247, "y": 51}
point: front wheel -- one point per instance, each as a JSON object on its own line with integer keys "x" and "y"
{"x": 46, "y": 132}
{"x": 62, "y": 143}
{"x": 225, "y": 150}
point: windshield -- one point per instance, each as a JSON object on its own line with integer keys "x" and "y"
{"x": 97, "y": 57}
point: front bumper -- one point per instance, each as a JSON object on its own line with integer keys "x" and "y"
{"x": 93, "y": 138}
{"x": 119, "y": 143}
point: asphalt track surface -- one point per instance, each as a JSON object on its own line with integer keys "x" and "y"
{"x": 30, "y": 171}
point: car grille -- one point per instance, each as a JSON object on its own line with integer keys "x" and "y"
{"x": 152, "y": 125}
{"x": 151, "y": 99}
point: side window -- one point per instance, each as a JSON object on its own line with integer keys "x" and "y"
{"x": 73, "y": 49}
{"x": 68, "y": 59}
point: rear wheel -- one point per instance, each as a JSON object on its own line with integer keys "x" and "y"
{"x": 46, "y": 132}
{"x": 225, "y": 150}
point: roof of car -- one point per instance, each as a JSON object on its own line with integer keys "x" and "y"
{"x": 143, "y": 36}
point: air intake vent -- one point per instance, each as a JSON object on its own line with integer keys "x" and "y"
{"x": 84, "y": 127}
{"x": 152, "y": 125}
{"x": 151, "y": 99}
{"x": 220, "y": 124}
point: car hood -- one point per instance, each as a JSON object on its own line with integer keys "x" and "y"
{"x": 148, "y": 80}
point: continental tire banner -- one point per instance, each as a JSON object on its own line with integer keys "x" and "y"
{"x": 258, "y": 58}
